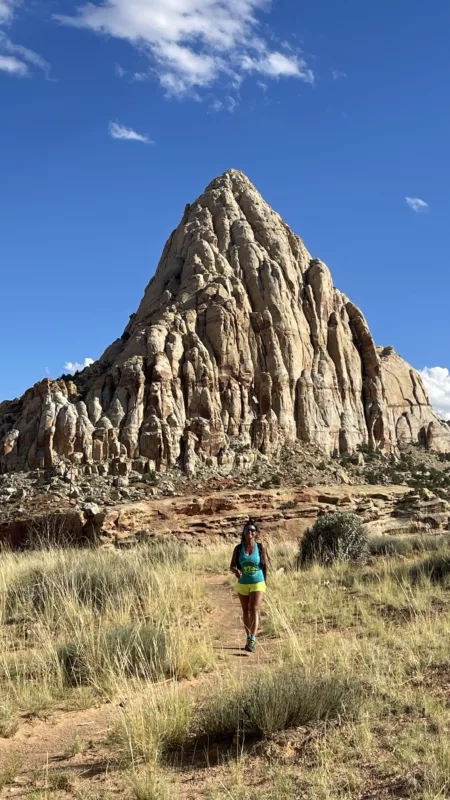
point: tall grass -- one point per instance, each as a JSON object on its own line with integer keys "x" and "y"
{"x": 357, "y": 671}
{"x": 95, "y": 619}
{"x": 270, "y": 700}
{"x": 152, "y": 724}
{"x": 273, "y": 699}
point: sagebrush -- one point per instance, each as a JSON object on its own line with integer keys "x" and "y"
{"x": 334, "y": 537}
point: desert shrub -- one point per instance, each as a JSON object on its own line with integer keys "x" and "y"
{"x": 92, "y": 581}
{"x": 270, "y": 701}
{"x": 436, "y": 569}
{"x": 51, "y": 531}
{"x": 151, "y": 785}
{"x": 273, "y": 482}
{"x": 334, "y": 537}
{"x": 127, "y": 651}
{"x": 9, "y": 720}
{"x": 288, "y": 505}
{"x": 133, "y": 651}
{"x": 151, "y": 725}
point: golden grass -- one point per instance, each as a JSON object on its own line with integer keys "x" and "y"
{"x": 359, "y": 671}
{"x": 81, "y": 624}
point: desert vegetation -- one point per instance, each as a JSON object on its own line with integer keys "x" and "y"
{"x": 347, "y": 697}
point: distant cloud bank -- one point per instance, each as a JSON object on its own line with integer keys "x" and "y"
{"x": 437, "y": 384}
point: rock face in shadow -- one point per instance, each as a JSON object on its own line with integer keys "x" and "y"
{"x": 241, "y": 341}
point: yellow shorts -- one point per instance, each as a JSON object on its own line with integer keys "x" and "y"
{"x": 248, "y": 588}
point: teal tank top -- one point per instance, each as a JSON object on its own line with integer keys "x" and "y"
{"x": 250, "y": 566}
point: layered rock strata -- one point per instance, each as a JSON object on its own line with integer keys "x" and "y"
{"x": 241, "y": 341}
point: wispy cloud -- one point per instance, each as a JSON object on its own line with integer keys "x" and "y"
{"x": 437, "y": 384}
{"x": 6, "y": 10}
{"x": 117, "y": 131}
{"x": 338, "y": 74}
{"x": 191, "y": 44}
{"x": 416, "y": 204}
{"x": 77, "y": 366}
{"x": 120, "y": 71}
{"x": 229, "y": 103}
{"x": 278, "y": 65}
{"x": 14, "y": 66}
{"x": 14, "y": 58}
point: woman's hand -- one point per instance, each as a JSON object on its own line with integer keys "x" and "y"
{"x": 236, "y": 572}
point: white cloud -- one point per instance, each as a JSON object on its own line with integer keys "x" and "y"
{"x": 338, "y": 74}
{"x": 6, "y": 10}
{"x": 437, "y": 384}
{"x": 189, "y": 43}
{"x": 76, "y": 366}
{"x": 24, "y": 52}
{"x": 14, "y": 58}
{"x": 120, "y": 71}
{"x": 229, "y": 103}
{"x": 416, "y": 204}
{"x": 117, "y": 131}
{"x": 277, "y": 65}
{"x": 14, "y": 66}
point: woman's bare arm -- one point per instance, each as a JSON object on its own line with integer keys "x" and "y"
{"x": 266, "y": 561}
{"x": 234, "y": 563}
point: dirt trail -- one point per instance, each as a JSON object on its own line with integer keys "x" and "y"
{"x": 226, "y": 621}
{"x": 75, "y": 741}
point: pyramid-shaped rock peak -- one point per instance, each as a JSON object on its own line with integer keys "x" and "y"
{"x": 241, "y": 342}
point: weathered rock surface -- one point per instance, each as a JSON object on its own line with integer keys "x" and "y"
{"x": 240, "y": 343}
{"x": 204, "y": 519}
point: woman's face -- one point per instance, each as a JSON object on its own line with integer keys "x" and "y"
{"x": 250, "y": 535}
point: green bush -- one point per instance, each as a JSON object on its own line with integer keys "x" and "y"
{"x": 334, "y": 537}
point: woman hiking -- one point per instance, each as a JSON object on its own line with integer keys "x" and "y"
{"x": 249, "y": 564}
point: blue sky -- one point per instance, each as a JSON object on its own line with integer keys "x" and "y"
{"x": 338, "y": 112}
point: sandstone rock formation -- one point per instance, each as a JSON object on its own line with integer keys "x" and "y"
{"x": 241, "y": 341}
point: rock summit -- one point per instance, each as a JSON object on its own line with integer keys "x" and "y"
{"x": 241, "y": 342}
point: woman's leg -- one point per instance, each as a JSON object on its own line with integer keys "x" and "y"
{"x": 256, "y": 599}
{"x": 245, "y": 612}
